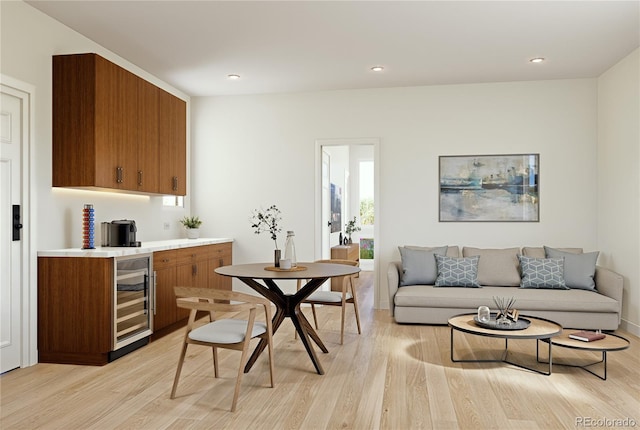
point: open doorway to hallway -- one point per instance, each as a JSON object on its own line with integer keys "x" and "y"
{"x": 347, "y": 189}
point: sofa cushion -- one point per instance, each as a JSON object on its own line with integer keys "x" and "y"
{"x": 579, "y": 269}
{"x": 452, "y": 250}
{"x": 542, "y": 273}
{"x": 497, "y": 267}
{"x": 419, "y": 264}
{"x": 538, "y": 251}
{"x": 457, "y": 272}
{"x": 526, "y": 299}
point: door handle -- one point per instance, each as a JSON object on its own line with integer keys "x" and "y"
{"x": 17, "y": 225}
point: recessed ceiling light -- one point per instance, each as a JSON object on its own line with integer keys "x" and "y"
{"x": 233, "y": 77}
{"x": 377, "y": 69}
{"x": 536, "y": 60}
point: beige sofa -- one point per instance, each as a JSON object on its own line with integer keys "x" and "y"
{"x": 499, "y": 274}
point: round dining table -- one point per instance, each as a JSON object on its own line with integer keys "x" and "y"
{"x": 263, "y": 278}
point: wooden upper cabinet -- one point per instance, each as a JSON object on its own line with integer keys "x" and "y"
{"x": 148, "y": 173}
{"x": 173, "y": 145}
{"x": 107, "y": 128}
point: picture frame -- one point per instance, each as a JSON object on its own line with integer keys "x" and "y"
{"x": 489, "y": 188}
{"x": 336, "y": 208}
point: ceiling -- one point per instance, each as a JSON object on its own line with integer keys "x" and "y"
{"x": 301, "y": 46}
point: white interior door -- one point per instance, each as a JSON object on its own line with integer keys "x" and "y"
{"x": 326, "y": 206}
{"x": 11, "y": 120}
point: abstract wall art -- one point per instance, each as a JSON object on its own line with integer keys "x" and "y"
{"x": 489, "y": 188}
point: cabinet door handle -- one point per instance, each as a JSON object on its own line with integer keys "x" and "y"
{"x": 154, "y": 292}
{"x": 175, "y": 183}
{"x": 139, "y": 177}
{"x": 119, "y": 174}
{"x": 194, "y": 269}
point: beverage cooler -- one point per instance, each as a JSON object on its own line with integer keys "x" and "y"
{"x": 132, "y": 303}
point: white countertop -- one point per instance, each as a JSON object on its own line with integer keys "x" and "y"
{"x": 154, "y": 246}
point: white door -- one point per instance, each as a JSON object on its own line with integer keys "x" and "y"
{"x": 11, "y": 121}
{"x": 326, "y": 206}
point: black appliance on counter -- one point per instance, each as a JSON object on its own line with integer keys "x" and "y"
{"x": 120, "y": 233}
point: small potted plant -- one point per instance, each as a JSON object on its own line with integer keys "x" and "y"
{"x": 192, "y": 225}
{"x": 351, "y": 227}
{"x": 267, "y": 221}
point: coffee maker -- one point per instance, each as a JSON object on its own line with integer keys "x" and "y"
{"x": 120, "y": 233}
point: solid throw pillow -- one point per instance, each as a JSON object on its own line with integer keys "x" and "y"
{"x": 497, "y": 267}
{"x": 542, "y": 273}
{"x": 419, "y": 265}
{"x": 457, "y": 272}
{"x": 538, "y": 251}
{"x": 579, "y": 269}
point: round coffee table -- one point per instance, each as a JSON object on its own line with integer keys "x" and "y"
{"x": 539, "y": 329}
{"x": 612, "y": 342}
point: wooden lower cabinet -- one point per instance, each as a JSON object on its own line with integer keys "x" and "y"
{"x": 75, "y": 302}
{"x": 344, "y": 252}
{"x": 189, "y": 267}
{"x": 164, "y": 266}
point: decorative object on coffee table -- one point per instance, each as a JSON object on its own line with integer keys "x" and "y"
{"x": 484, "y": 314}
{"x": 492, "y": 324}
{"x": 267, "y": 221}
{"x": 587, "y": 335}
{"x": 506, "y": 314}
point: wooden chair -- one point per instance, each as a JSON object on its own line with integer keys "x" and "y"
{"x": 336, "y": 298}
{"x": 224, "y": 333}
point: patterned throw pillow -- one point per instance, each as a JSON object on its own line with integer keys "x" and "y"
{"x": 457, "y": 272}
{"x": 542, "y": 273}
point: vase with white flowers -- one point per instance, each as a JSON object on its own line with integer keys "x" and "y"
{"x": 192, "y": 225}
{"x": 267, "y": 220}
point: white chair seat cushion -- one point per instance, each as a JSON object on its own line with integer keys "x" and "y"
{"x": 327, "y": 296}
{"x": 226, "y": 331}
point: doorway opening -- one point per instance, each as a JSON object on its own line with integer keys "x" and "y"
{"x": 346, "y": 192}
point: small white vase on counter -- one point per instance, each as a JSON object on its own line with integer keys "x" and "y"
{"x": 193, "y": 233}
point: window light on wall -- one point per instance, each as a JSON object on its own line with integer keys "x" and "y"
{"x": 173, "y": 201}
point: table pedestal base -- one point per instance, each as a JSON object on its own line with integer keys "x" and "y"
{"x": 288, "y": 306}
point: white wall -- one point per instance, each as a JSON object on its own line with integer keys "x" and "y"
{"x": 29, "y": 39}
{"x": 619, "y": 179}
{"x": 246, "y": 147}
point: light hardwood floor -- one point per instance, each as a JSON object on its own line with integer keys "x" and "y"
{"x": 390, "y": 377}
